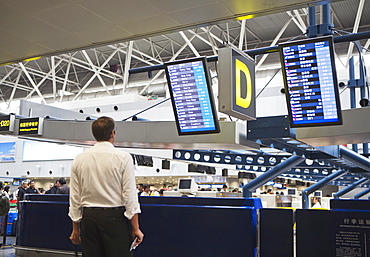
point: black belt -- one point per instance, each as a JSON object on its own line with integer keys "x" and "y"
{"x": 105, "y": 208}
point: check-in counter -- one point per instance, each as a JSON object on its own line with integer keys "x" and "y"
{"x": 173, "y": 226}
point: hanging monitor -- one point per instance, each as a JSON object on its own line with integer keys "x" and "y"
{"x": 189, "y": 84}
{"x": 310, "y": 82}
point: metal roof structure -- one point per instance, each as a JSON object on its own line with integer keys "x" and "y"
{"x": 62, "y": 51}
{"x": 104, "y": 69}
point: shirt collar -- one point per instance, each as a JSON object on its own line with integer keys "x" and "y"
{"x": 104, "y": 143}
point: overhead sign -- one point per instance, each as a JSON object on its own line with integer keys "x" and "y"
{"x": 30, "y": 126}
{"x": 7, "y": 123}
{"x": 192, "y": 97}
{"x": 236, "y": 84}
{"x": 310, "y": 81}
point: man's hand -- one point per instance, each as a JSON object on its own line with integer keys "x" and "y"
{"x": 139, "y": 235}
{"x": 75, "y": 236}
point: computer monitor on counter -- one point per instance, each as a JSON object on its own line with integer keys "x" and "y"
{"x": 187, "y": 186}
{"x": 292, "y": 191}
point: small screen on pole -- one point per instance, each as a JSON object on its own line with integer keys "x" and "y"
{"x": 310, "y": 82}
{"x": 189, "y": 84}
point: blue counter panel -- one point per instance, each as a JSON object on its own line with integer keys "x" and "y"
{"x": 173, "y": 226}
{"x": 184, "y": 231}
{"x": 215, "y": 201}
{"x": 44, "y": 224}
{"x": 276, "y": 232}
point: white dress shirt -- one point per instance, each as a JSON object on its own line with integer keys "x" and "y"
{"x": 103, "y": 176}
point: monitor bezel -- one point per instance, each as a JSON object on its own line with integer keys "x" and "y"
{"x": 334, "y": 76}
{"x": 210, "y": 93}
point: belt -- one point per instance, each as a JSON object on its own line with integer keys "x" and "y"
{"x": 105, "y": 208}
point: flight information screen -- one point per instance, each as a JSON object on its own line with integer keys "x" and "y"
{"x": 191, "y": 95}
{"x": 311, "y": 85}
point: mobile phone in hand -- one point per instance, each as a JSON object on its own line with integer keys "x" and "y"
{"x": 134, "y": 244}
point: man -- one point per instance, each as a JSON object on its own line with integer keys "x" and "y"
{"x": 63, "y": 188}
{"x": 53, "y": 188}
{"x": 146, "y": 191}
{"x": 32, "y": 189}
{"x": 103, "y": 197}
{"x": 140, "y": 189}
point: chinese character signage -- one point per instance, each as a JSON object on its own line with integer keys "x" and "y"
{"x": 30, "y": 126}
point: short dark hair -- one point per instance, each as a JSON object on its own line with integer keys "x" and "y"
{"x": 62, "y": 181}
{"x": 102, "y": 128}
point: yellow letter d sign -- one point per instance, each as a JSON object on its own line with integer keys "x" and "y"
{"x": 239, "y": 99}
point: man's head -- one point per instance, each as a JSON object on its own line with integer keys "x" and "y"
{"x": 62, "y": 181}
{"x": 51, "y": 185}
{"x": 103, "y": 128}
{"x": 32, "y": 184}
{"x": 146, "y": 188}
{"x": 24, "y": 184}
{"x": 140, "y": 187}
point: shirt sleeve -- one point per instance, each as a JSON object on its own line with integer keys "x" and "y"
{"x": 75, "y": 210}
{"x": 130, "y": 196}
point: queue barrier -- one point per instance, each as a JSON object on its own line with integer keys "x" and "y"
{"x": 276, "y": 233}
{"x": 43, "y": 222}
{"x": 192, "y": 226}
{"x": 173, "y": 226}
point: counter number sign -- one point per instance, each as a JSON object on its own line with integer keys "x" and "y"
{"x": 30, "y": 126}
{"x": 7, "y": 123}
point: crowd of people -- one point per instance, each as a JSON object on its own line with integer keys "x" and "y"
{"x": 144, "y": 190}
{"x": 59, "y": 187}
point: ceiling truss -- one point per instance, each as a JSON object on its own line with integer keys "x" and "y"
{"x": 106, "y": 69}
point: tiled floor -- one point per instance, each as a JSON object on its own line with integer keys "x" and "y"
{"x": 7, "y": 250}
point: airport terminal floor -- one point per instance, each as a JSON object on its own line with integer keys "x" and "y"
{"x": 7, "y": 250}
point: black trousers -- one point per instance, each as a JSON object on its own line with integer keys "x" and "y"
{"x": 105, "y": 233}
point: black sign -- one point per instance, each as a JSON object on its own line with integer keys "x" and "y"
{"x": 7, "y": 123}
{"x": 30, "y": 126}
{"x": 352, "y": 233}
{"x": 310, "y": 82}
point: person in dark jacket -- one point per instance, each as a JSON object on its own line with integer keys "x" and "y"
{"x": 63, "y": 189}
{"x": 54, "y": 188}
{"x": 32, "y": 189}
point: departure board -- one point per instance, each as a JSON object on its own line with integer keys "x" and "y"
{"x": 311, "y": 85}
{"x": 191, "y": 95}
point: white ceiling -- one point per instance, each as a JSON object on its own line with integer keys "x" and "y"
{"x": 46, "y": 27}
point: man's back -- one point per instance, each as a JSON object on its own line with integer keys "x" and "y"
{"x": 21, "y": 193}
{"x": 64, "y": 190}
{"x": 100, "y": 173}
{"x": 103, "y": 197}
